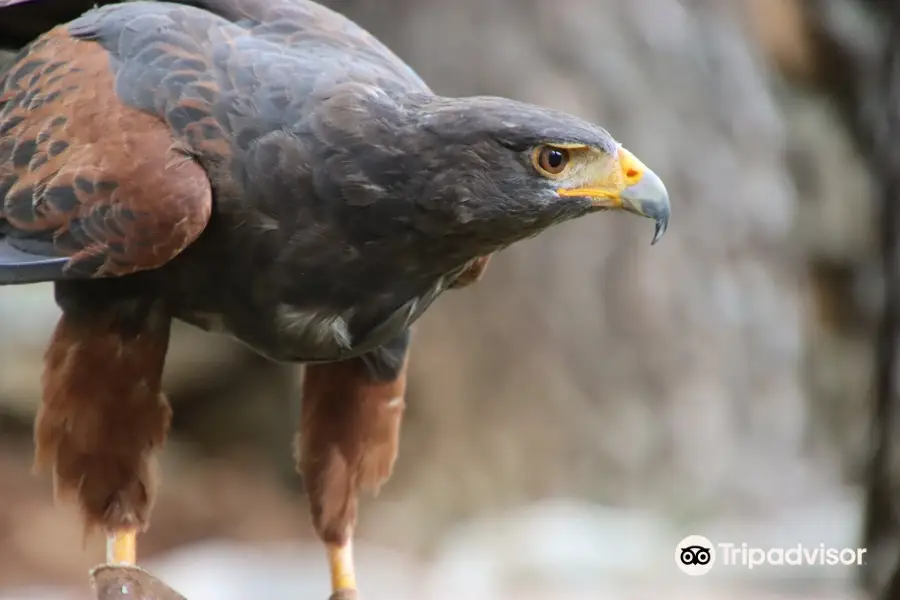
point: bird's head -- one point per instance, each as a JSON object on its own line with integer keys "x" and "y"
{"x": 529, "y": 166}
{"x": 484, "y": 172}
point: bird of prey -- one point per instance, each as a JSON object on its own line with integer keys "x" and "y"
{"x": 266, "y": 170}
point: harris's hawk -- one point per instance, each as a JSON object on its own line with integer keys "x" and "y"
{"x": 267, "y": 170}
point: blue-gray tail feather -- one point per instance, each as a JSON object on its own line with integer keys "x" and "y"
{"x": 18, "y": 267}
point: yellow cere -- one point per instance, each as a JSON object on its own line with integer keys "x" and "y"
{"x": 604, "y": 177}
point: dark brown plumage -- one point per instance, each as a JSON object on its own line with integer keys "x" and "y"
{"x": 270, "y": 171}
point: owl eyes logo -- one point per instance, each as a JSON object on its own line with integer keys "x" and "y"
{"x": 695, "y": 555}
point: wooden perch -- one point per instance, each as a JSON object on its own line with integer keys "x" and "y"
{"x": 113, "y": 582}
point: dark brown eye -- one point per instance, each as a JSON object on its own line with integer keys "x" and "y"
{"x": 552, "y": 161}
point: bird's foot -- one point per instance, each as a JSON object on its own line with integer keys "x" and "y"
{"x": 120, "y": 582}
{"x": 345, "y": 595}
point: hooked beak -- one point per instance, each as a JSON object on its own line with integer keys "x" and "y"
{"x": 632, "y": 187}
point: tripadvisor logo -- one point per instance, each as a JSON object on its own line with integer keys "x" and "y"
{"x": 748, "y": 556}
{"x": 696, "y": 555}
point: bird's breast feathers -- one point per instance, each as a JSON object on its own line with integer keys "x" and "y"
{"x": 291, "y": 331}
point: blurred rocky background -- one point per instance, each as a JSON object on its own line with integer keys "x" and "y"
{"x": 593, "y": 400}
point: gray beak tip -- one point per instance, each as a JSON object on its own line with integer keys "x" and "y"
{"x": 661, "y": 226}
{"x": 650, "y": 199}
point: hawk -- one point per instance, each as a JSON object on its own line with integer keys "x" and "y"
{"x": 266, "y": 170}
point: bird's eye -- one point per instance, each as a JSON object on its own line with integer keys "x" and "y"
{"x": 550, "y": 160}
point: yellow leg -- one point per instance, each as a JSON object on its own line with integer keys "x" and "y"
{"x": 121, "y": 547}
{"x": 340, "y": 561}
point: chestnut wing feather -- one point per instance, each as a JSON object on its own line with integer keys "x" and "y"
{"x": 90, "y": 186}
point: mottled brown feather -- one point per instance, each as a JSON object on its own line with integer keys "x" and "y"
{"x": 85, "y": 176}
{"x": 348, "y": 439}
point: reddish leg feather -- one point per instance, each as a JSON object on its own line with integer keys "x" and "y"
{"x": 103, "y": 416}
{"x": 472, "y": 274}
{"x": 349, "y": 433}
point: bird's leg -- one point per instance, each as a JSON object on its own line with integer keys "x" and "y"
{"x": 103, "y": 416}
{"x": 349, "y": 431}
{"x": 121, "y": 546}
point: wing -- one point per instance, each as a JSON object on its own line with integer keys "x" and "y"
{"x": 90, "y": 186}
{"x": 112, "y": 126}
